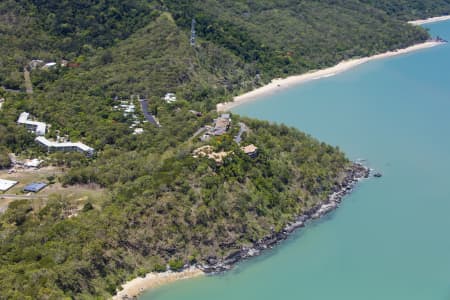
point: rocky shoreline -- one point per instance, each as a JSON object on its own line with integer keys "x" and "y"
{"x": 354, "y": 174}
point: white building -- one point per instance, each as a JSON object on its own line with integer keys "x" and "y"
{"x": 6, "y": 184}
{"x": 38, "y": 128}
{"x": 35, "y": 63}
{"x": 34, "y": 163}
{"x": 52, "y": 146}
{"x": 170, "y": 98}
{"x": 49, "y": 65}
{"x": 138, "y": 131}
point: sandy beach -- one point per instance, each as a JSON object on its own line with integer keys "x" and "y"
{"x": 279, "y": 84}
{"x": 429, "y": 20}
{"x": 152, "y": 280}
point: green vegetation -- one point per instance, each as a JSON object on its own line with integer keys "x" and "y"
{"x": 164, "y": 207}
{"x": 5, "y": 162}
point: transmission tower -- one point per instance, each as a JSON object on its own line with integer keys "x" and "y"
{"x": 193, "y": 34}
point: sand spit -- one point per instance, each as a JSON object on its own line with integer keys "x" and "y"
{"x": 429, "y": 20}
{"x": 135, "y": 287}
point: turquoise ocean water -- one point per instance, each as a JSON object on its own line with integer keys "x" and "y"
{"x": 391, "y": 237}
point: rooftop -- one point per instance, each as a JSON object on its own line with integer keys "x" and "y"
{"x": 40, "y": 126}
{"x": 170, "y": 97}
{"x": 49, "y": 143}
{"x": 35, "y": 187}
{"x": 6, "y": 184}
{"x": 250, "y": 149}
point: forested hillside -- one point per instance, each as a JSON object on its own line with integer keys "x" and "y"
{"x": 270, "y": 38}
{"x": 162, "y": 205}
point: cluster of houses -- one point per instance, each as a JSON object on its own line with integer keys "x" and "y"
{"x": 129, "y": 110}
{"x": 220, "y": 127}
{"x": 40, "y": 64}
{"x": 40, "y": 128}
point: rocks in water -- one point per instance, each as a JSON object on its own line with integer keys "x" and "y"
{"x": 377, "y": 175}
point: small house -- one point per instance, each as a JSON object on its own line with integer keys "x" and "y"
{"x": 250, "y": 150}
{"x": 35, "y": 63}
{"x": 33, "y": 163}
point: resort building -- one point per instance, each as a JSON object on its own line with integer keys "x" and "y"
{"x": 222, "y": 124}
{"x": 38, "y": 128}
{"x": 52, "y": 146}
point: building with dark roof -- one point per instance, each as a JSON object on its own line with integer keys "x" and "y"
{"x": 34, "y": 187}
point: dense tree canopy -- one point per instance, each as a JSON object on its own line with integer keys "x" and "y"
{"x": 163, "y": 206}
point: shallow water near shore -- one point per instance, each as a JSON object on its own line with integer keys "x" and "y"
{"x": 389, "y": 239}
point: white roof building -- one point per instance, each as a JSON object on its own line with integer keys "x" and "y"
{"x": 49, "y": 65}
{"x": 6, "y": 184}
{"x": 34, "y": 163}
{"x": 138, "y": 131}
{"x": 65, "y": 147}
{"x": 38, "y": 128}
{"x": 170, "y": 97}
{"x": 36, "y": 63}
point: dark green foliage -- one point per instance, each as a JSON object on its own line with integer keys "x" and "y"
{"x": 236, "y": 40}
{"x": 165, "y": 209}
{"x": 164, "y": 206}
{"x": 87, "y": 207}
{"x": 5, "y": 162}
{"x": 176, "y": 264}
